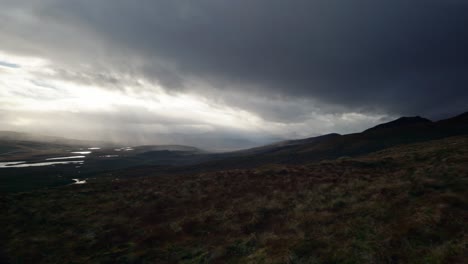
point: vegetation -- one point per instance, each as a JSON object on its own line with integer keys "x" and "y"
{"x": 406, "y": 204}
{"x": 176, "y": 159}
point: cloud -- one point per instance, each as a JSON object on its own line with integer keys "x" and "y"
{"x": 291, "y": 64}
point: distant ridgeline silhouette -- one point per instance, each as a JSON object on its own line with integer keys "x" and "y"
{"x": 404, "y": 130}
{"x": 402, "y": 121}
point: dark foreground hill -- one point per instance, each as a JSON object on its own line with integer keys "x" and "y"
{"x": 406, "y": 204}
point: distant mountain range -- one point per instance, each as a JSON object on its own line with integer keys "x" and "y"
{"x": 403, "y": 130}
{"x": 169, "y": 159}
{"x": 181, "y": 148}
{"x": 159, "y": 160}
{"x": 17, "y": 137}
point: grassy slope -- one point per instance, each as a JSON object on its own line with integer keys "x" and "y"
{"x": 406, "y": 204}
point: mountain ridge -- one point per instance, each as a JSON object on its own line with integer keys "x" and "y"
{"x": 405, "y": 130}
{"x": 400, "y": 122}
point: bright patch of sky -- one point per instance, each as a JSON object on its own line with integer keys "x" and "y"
{"x": 34, "y": 97}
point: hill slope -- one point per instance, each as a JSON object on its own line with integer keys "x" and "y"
{"x": 401, "y": 131}
{"x": 406, "y": 204}
{"x": 401, "y": 122}
{"x": 175, "y": 159}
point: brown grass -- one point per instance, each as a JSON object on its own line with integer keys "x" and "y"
{"x": 406, "y": 204}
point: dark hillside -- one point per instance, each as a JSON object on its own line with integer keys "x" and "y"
{"x": 401, "y": 122}
{"x": 406, "y": 204}
{"x": 332, "y": 146}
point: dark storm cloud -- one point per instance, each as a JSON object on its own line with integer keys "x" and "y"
{"x": 394, "y": 57}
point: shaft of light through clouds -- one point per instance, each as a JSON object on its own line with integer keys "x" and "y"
{"x": 227, "y": 74}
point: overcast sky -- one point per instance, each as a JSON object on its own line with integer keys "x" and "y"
{"x": 227, "y": 74}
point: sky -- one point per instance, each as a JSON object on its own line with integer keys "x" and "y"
{"x": 223, "y": 75}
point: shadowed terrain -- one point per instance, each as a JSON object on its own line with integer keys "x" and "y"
{"x": 405, "y": 204}
{"x": 176, "y": 159}
{"x": 395, "y": 193}
{"x": 225, "y": 132}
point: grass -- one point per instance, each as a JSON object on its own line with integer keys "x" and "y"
{"x": 407, "y": 204}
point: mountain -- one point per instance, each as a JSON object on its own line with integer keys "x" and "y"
{"x": 286, "y": 144}
{"x": 401, "y": 122}
{"x": 459, "y": 120}
{"x": 403, "y": 130}
{"x": 177, "y": 159}
{"x": 177, "y": 148}
{"x": 27, "y": 144}
{"x": 400, "y": 186}
{"x": 29, "y": 137}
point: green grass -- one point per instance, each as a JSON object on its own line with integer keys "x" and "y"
{"x": 406, "y": 204}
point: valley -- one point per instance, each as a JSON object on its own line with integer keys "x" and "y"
{"x": 392, "y": 193}
{"x": 351, "y": 210}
